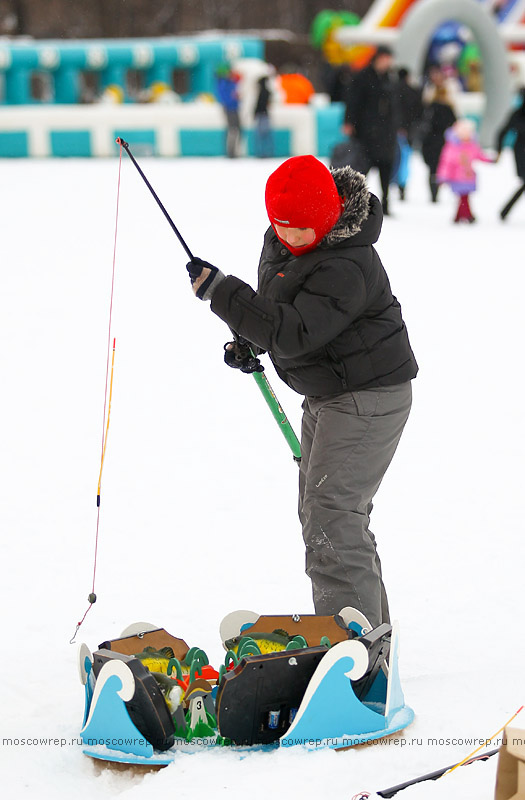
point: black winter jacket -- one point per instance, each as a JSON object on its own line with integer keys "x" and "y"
{"x": 263, "y": 98}
{"x": 328, "y": 318}
{"x": 437, "y": 117}
{"x": 410, "y": 106}
{"x": 516, "y": 123}
{"x": 373, "y": 111}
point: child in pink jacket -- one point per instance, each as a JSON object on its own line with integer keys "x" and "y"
{"x": 455, "y": 164}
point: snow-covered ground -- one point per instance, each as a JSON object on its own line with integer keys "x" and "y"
{"x": 198, "y": 513}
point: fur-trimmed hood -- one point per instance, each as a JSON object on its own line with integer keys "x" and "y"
{"x": 358, "y": 207}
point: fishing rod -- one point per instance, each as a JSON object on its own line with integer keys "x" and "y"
{"x": 174, "y": 228}
{"x": 259, "y": 376}
{"x": 470, "y": 759}
{"x": 433, "y": 776}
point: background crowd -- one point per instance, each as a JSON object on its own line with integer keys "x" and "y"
{"x": 387, "y": 116}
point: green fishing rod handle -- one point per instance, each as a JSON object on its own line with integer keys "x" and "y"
{"x": 278, "y": 413}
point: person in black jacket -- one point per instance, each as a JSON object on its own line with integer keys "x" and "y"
{"x": 410, "y": 108}
{"x": 325, "y": 312}
{"x": 263, "y": 138}
{"x": 372, "y": 116}
{"x": 438, "y": 116}
{"x": 516, "y": 123}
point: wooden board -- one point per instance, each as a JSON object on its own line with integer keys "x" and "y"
{"x": 131, "y": 645}
{"x": 311, "y": 626}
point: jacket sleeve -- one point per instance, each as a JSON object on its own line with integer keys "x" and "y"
{"x": 331, "y": 297}
{"x": 482, "y": 156}
{"x": 355, "y": 100}
{"x": 503, "y": 132}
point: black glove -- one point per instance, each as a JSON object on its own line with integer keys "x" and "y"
{"x": 206, "y": 289}
{"x": 239, "y": 356}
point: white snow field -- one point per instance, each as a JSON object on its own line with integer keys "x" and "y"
{"x": 198, "y": 514}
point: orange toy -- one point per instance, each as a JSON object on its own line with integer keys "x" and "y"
{"x": 296, "y": 88}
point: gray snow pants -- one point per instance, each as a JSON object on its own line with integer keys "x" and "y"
{"x": 347, "y": 443}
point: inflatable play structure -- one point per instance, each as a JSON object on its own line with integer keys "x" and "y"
{"x": 65, "y": 64}
{"x": 59, "y": 122}
{"x": 288, "y": 680}
{"x": 63, "y": 124}
{"x": 331, "y": 29}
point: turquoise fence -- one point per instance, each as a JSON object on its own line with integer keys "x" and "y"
{"x": 62, "y": 126}
{"x": 65, "y": 63}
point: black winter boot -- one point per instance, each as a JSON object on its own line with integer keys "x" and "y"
{"x": 434, "y": 188}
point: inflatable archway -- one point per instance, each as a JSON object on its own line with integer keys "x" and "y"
{"x": 418, "y": 27}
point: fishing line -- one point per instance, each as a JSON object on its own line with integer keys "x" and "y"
{"x": 92, "y": 597}
{"x": 485, "y": 743}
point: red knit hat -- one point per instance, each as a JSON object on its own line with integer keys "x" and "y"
{"x": 301, "y": 193}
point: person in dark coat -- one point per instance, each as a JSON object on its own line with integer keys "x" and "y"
{"x": 263, "y": 139}
{"x": 516, "y": 123}
{"x": 410, "y": 108}
{"x": 438, "y": 116}
{"x": 325, "y": 313}
{"x": 372, "y": 116}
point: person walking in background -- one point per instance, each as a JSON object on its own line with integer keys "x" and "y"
{"x": 325, "y": 312}
{"x": 226, "y": 87}
{"x": 410, "y": 112}
{"x": 515, "y": 123}
{"x": 437, "y": 78}
{"x": 456, "y": 165}
{"x": 437, "y": 117}
{"x": 372, "y": 117}
{"x": 263, "y": 138}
